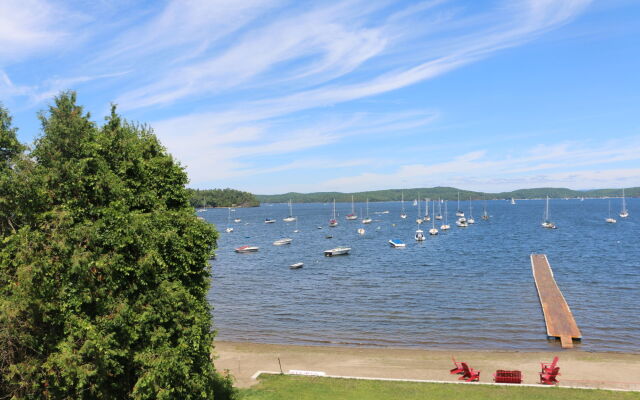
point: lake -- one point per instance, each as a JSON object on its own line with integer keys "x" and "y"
{"x": 465, "y": 288}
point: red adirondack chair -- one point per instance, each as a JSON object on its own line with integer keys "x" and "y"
{"x": 548, "y": 367}
{"x": 469, "y": 374}
{"x": 458, "y": 369}
{"x": 549, "y": 378}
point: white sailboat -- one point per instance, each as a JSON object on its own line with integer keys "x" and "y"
{"x": 403, "y": 215}
{"x": 513, "y": 201}
{"x": 229, "y": 227}
{"x": 290, "y": 218}
{"x": 433, "y": 230}
{"x": 624, "y": 213}
{"x": 353, "y": 214}
{"x": 427, "y": 217}
{"x": 459, "y": 212}
{"x": 367, "y": 219}
{"x": 445, "y": 226}
{"x": 610, "y": 220}
{"x": 333, "y": 222}
{"x": 470, "y": 220}
{"x": 415, "y": 202}
{"x": 438, "y": 216}
{"x": 485, "y": 215}
{"x": 419, "y": 219}
{"x": 546, "y": 223}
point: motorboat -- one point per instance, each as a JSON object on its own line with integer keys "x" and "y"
{"x": 338, "y": 251}
{"x": 296, "y": 265}
{"x": 281, "y": 242}
{"x": 397, "y": 243}
{"x": 247, "y": 249}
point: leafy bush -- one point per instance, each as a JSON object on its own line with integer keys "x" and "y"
{"x": 103, "y": 266}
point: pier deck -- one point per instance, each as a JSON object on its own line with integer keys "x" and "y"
{"x": 557, "y": 315}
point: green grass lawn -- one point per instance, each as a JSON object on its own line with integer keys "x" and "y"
{"x": 314, "y": 388}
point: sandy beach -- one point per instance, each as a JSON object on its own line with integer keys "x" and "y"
{"x": 578, "y": 368}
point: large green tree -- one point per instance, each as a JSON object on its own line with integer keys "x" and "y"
{"x": 104, "y": 266}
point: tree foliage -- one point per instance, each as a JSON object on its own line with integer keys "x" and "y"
{"x": 222, "y": 198}
{"x": 445, "y": 193}
{"x": 103, "y": 266}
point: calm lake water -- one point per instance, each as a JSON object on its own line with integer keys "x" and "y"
{"x": 465, "y": 288}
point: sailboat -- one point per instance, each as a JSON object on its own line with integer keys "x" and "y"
{"x": 403, "y": 215}
{"x": 333, "y": 222}
{"x": 438, "y": 216}
{"x": 296, "y": 230}
{"x": 610, "y": 220}
{"x": 229, "y": 227}
{"x": 367, "y": 219}
{"x": 624, "y": 213}
{"x": 433, "y": 230}
{"x": 459, "y": 212}
{"x": 419, "y": 236}
{"x": 353, "y": 215}
{"x": 546, "y": 223}
{"x": 290, "y": 218}
{"x": 427, "y": 217}
{"x": 415, "y": 202}
{"x": 445, "y": 226}
{"x": 485, "y": 215}
{"x": 419, "y": 219}
{"x": 470, "y": 220}
{"x": 513, "y": 201}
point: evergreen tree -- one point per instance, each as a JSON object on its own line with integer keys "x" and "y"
{"x": 103, "y": 286}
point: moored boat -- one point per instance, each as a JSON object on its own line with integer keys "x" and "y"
{"x": 281, "y": 242}
{"x": 296, "y": 265}
{"x": 247, "y": 249}
{"x": 397, "y": 243}
{"x": 338, "y": 251}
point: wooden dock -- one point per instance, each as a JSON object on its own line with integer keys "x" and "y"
{"x": 557, "y": 314}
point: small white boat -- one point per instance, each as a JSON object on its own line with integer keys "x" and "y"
{"x": 296, "y": 265}
{"x": 438, "y": 216}
{"x": 397, "y": 243}
{"x": 247, "y": 249}
{"x": 419, "y": 236}
{"x": 459, "y": 212}
{"x": 281, "y": 242}
{"x": 290, "y": 218}
{"x": 229, "y": 227}
{"x": 367, "y": 219}
{"x": 403, "y": 214}
{"x": 361, "y": 231}
{"x": 419, "y": 220}
{"x": 353, "y": 214}
{"x": 338, "y": 251}
{"x": 624, "y": 213}
{"x": 433, "y": 230}
{"x": 470, "y": 220}
{"x": 462, "y": 222}
{"x": 333, "y": 222}
{"x": 610, "y": 220}
{"x": 513, "y": 201}
{"x": 426, "y": 210}
{"x": 446, "y": 225}
{"x": 485, "y": 215}
{"x": 269, "y": 221}
{"x": 546, "y": 222}
{"x": 415, "y": 203}
{"x": 237, "y": 220}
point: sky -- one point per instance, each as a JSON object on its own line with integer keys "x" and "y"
{"x": 273, "y": 96}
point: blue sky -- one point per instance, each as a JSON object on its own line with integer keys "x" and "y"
{"x": 274, "y": 96}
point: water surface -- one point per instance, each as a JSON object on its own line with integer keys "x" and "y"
{"x": 465, "y": 288}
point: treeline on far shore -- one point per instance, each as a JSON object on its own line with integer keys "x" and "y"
{"x": 222, "y": 198}
{"x": 445, "y": 193}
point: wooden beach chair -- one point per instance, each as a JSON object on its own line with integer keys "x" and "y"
{"x": 458, "y": 367}
{"x": 549, "y": 378}
{"x": 469, "y": 374}
{"x": 548, "y": 367}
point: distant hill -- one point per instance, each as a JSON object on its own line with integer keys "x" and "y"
{"x": 446, "y": 193}
{"x": 222, "y": 198}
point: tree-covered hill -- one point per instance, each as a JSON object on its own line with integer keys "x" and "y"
{"x": 222, "y": 198}
{"x": 446, "y": 193}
